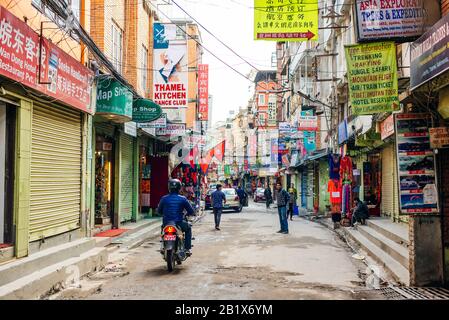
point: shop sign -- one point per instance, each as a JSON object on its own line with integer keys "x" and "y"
{"x": 69, "y": 81}
{"x": 285, "y": 160}
{"x": 289, "y": 20}
{"x": 203, "y": 91}
{"x": 130, "y": 128}
{"x": 156, "y": 124}
{"x": 416, "y": 165}
{"x": 372, "y": 77}
{"x": 145, "y": 110}
{"x": 172, "y": 130}
{"x": 308, "y": 123}
{"x": 387, "y": 127}
{"x": 429, "y": 54}
{"x": 272, "y": 110}
{"x": 439, "y": 137}
{"x": 342, "y": 132}
{"x": 399, "y": 20}
{"x": 113, "y": 98}
{"x": 170, "y": 86}
{"x": 310, "y": 141}
{"x": 176, "y": 115}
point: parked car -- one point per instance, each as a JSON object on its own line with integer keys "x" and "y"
{"x": 232, "y": 200}
{"x": 207, "y": 199}
{"x": 259, "y": 195}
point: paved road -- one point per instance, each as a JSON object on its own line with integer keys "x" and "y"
{"x": 247, "y": 259}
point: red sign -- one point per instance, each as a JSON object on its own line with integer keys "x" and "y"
{"x": 70, "y": 81}
{"x": 203, "y": 91}
{"x": 387, "y": 127}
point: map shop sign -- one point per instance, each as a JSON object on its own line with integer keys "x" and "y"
{"x": 293, "y": 20}
{"x": 400, "y": 20}
{"x": 416, "y": 165}
{"x": 439, "y": 137}
{"x": 372, "y": 77}
{"x": 145, "y": 110}
{"x": 65, "y": 78}
{"x": 430, "y": 54}
{"x": 114, "y": 98}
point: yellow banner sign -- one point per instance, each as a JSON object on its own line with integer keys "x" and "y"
{"x": 292, "y": 20}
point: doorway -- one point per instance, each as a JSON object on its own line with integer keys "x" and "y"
{"x": 104, "y": 180}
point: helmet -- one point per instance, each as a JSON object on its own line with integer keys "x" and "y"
{"x": 174, "y": 185}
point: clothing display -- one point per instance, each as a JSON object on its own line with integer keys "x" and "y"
{"x": 334, "y": 166}
{"x": 334, "y": 189}
{"x": 346, "y": 168}
{"x": 346, "y": 198}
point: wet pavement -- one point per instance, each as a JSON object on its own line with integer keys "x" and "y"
{"x": 247, "y": 259}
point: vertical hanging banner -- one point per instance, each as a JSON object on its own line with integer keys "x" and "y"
{"x": 170, "y": 86}
{"x": 372, "y": 77}
{"x": 293, "y": 20}
{"x": 203, "y": 91}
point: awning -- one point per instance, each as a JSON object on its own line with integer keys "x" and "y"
{"x": 309, "y": 158}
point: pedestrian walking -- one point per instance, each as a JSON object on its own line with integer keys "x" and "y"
{"x": 292, "y": 202}
{"x": 218, "y": 198}
{"x": 283, "y": 198}
{"x": 268, "y": 196}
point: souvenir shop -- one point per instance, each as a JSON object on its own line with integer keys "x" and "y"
{"x": 190, "y": 177}
{"x": 145, "y": 153}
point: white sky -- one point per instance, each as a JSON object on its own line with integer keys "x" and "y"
{"x": 232, "y": 22}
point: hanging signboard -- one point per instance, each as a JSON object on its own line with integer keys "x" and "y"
{"x": 69, "y": 81}
{"x": 342, "y": 132}
{"x": 130, "y": 128}
{"x": 203, "y": 91}
{"x": 170, "y": 86}
{"x": 272, "y": 110}
{"x": 145, "y": 110}
{"x": 113, "y": 98}
{"x": 429, "y": 54}
{"x": 439, "y": 137}
{"x": 387, "y": 127}
{"x": 372, "y": 77}
{"x": 172, "y": 130}
{"x": 416, "y": 165}
{"x": 156, "y": 124}
{"x": 398, "y": 20}
{"x": 278, "y": 20}
{"x": 308, "y": 123}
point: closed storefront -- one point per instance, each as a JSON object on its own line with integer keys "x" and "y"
{"x": 324, "y": 201}
{"x": 389, "y": 198}
{"x": 310, "y": 186}
{"x": 55, "y": 184}
{"x": 126, "y": 177}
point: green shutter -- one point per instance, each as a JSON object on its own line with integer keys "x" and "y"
{"x": 126, "y": 178}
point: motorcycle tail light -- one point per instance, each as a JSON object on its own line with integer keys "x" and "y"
{"x": 170, "y": 230}
{"x": 236, "y": 198}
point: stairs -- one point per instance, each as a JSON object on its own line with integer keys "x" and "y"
{"x": 37, "y": 274}
{"x": 385, "y": 242}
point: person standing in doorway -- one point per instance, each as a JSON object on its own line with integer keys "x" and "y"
{"x": 283, "y": 198}
{"x": 268, "y": 196}
{"x": 218, "y": 198}
{"x": 292, "y": 202}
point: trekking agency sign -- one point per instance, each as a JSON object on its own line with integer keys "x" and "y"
{"x": 372, "y": 77}
{"x": 170, "y": 86}
{"x": 293, "y": 20}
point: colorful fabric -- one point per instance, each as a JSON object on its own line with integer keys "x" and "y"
{"x": 334, "y": 189}
{"x": 346, "y": 198}
{"x": 334, "y": 166}
{"x": 346, "y": 168}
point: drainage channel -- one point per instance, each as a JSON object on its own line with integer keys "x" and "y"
{"x": 413, "y": 293}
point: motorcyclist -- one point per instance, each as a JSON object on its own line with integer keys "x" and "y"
{"x": 172, "y": 207}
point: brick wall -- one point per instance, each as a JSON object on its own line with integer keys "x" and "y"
{"x": 131, "y": 42}
{"x": 97, "y": 22}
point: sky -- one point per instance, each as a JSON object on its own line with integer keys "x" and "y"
{"x": 232, "y": 22}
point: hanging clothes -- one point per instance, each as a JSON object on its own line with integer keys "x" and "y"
{"x": 334, "y": 189}
{"x": 346, "y": 197}
{"x": 346, "y": 168}
{"x": 334, "y": 166}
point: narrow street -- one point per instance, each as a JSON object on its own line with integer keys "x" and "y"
{"x": 247, "y": 259}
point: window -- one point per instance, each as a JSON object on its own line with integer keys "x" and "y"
{"x": 144, "y": 69}
{"x": 262, "y": 100}
{"x": 262, "y": 119}
{"x": 117, "y": 47}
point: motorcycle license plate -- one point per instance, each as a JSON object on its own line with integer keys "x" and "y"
{"x": 169, "y": 237}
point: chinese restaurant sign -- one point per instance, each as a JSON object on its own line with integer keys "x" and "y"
{"x": 439, "y": 137}
{"x": 203, "y": 91}
{"x": 429, "y": 54}
{"x": 399, "y": 20}
{"x": 416, "y": 165}
{"x": 70, "y": 81}
{"x": 170, "y": 86}
{"x": 293, "y": 20}
{"x": 372, "y": 77}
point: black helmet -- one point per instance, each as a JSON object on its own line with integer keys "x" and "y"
{"x": 174, "y": 185}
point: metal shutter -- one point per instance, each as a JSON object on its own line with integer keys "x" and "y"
{"x": 310, "y": 186}
{"x": 389, "y": 184}
{"x": 126, "y": 177}
{"x": 55, "y": 187}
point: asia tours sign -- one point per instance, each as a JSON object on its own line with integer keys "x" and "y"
{"x": 203, "y": 91}
{"x": 170, "y": 88}
{"x": 61, "y": 76}
{"x": 398, "y": 19}
{"x": 372, "y": 77}
{"x": 293, "y": 20}
{"x": 416, "y": 165}
{"x": 308, "y": 123}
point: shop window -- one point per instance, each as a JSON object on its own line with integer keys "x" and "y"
{"x": 117, "y": 47}
{"x": 104, "y": 181}
{"x": 144, "y": 69}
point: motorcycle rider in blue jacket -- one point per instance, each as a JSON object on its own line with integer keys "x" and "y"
{"x": 172, "y": 207}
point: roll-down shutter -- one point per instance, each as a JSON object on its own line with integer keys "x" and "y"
{"x": 389, "y": 182}
{"x": 126, "y": 177}
{"x": 55, "y": 187}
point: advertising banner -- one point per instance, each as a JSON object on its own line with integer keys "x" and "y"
{"x": 288, "y": 20}
{"x": 203, "y": 91}
{"x": 416, "y": 165}
{"x": 272, "y": 110}
{"x": 69, "y": 81}
{"x": 308, "y": 123}
{"x": 429, "y": 54}
{"x": 372, "y": 77}
{"x": 172, "y": 130}
{"x": 439, "y": 137}
{"x": 398, "y": 20}
{"x": 170, "y": 86}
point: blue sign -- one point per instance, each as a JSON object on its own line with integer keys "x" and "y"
{"x": 309, "y": 141}
{"x": 161, "y": 40}
{"x": 342, "y": 132}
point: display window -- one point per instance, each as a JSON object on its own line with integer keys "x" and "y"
{"x": 104, "y": 180}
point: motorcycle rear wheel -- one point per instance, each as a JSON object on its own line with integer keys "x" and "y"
{"x": 170, "y": 260}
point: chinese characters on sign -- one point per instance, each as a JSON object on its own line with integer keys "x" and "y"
{"x": 203, "y": 91}
{"x": 416, "y": 165}
{"x": 372, "y": 77}
{"x": 293, "y": 20}
{"x": 70, "y": 81}
{"x": 272, "y": 110}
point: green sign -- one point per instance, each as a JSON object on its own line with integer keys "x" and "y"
{"x": 145, "y": 110}
{"x": 114, "y": 98}
{"x": 372, "y": 77}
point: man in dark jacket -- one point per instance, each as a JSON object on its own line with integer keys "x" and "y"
{"x": 360, "y": 212}
{"x": 172, "y": 207}
{"x": 242, "y": 195}
{"x": 217, "y": 199}
{"x": 283, "y": 198}
{"x": 268, "y": 196}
